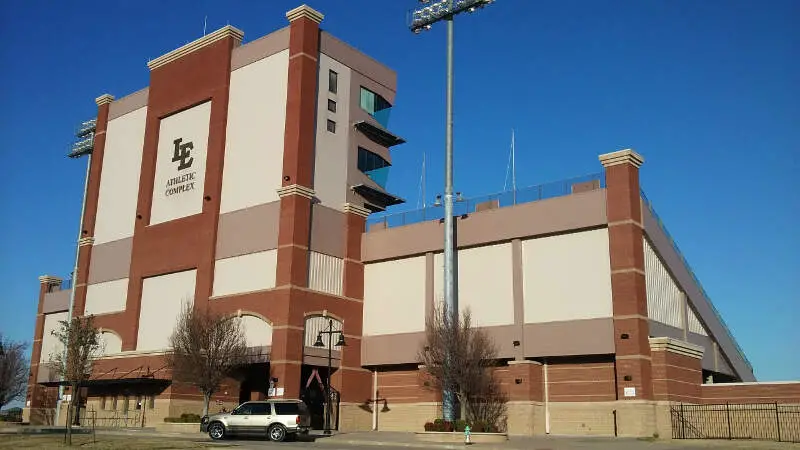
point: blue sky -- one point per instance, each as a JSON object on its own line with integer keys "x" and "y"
{"x": 706, "y": 91}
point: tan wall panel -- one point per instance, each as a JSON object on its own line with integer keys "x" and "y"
{"x": 248, "y": 230}
{"x": 119, "y": 183}
{"x": 245, "y": 273}
{"x": 50, "y": 344}
{"x": 331, "y": 156}
{"x": 110, "y": 343}
{"x": 255, "y": 132}
{"x": 391, "y": 348}
{"x": 394, "y": 296}
{"x": 163, "y": 298}
{"x": 259, "y": 49}
{"x": 130, "y": 102}
{"x": 107, "y": 297}
{"x": 327, "y": 230}
{"x": 257, "y": 332}
{"x": 110, "y": 261}
{"x": 190, "y": 126}
{"x": 349, "y": 56}
{"x": 571, "y": 212}
{"x": 567, "y": 277}
{"x": 56, "y": 301}
{"x": 485, "y": 284}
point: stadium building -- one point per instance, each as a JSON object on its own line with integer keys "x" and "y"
{"x": 243, "y": 179}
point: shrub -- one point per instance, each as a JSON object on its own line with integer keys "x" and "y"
{"x": 184, "y": 418}
{"x": 459, "y": 425}
{"x": 429, "y": 426}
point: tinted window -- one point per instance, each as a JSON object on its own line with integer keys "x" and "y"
{"x": 244, "y": 409}
{"x": 260, "y": 409}
{"x": 368, "y": 161}
{"x": 333, "y": 81}
{"x": 287, "y": 409}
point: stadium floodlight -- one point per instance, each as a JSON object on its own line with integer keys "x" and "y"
{"x": 422, "y": 19}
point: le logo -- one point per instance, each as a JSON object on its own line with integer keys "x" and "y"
{"x": 183, "y": 154}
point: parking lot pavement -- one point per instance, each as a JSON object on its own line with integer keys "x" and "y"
{"x": 397, "y": 441}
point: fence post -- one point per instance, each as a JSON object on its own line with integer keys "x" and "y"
{"x": 728, "y": 413}
{"x": 683, "y": 423}
{"x": 778, "y": 421}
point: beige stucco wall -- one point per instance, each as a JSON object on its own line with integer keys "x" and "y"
{"x": 257, "y": 332}
{"x": 119, "y": 183}
{"x": 664, "y": 298}
{"x": 325, "y": 273}
{"x": 394, "y": 296}
{"x": 163, "y": 298}
{"x": 190, "y": 125}
{"x": 331, "y": 156}
{"x": 110, "y": 343}
{"x": 103, "y": 298}
{"x": 485, "y": 283}
{"x": 50, "y": 344}
{"x": 255, "y": 132}
{"x": 551, "y": 267}
{"x": 245, "y": 273}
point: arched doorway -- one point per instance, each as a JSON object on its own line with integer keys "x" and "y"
{"x": 314, "y": 372}
{"x": 254, "y": 378}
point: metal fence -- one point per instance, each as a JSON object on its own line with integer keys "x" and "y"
{"x": 500, "y": 200}
{"x": 759, "y": 421}
{"x": 694, "y": 277}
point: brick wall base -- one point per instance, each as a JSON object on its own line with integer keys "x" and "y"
{"x": 408, "y": 416}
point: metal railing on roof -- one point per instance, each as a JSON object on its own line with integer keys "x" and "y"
{"x": 499, "y": 200}
{"x": 694, "y": 277}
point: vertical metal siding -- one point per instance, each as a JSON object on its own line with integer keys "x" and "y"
{"x": 663, "y": 295}
{"x": 314, "y": 325}
{"x": 694, "y": 324}
{"x": 325, "y": 273}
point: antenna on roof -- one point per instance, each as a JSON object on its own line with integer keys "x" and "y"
{"x": 513, "y": 169}
{"x": 422, "y": 185}
{"x": 205, "y": 22}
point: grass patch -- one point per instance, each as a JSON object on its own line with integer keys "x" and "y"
{"x": 104, "y": 442}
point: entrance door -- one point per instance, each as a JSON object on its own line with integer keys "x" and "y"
{"x": 312, "y": 392}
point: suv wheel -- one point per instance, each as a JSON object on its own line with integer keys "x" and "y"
{"x": 277, "y": 433}
{"x": 216, "y": 431}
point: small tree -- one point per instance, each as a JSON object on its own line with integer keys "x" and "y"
{"x": 81, "y": 345}
{"x": 206, "y": 348}
{"x": 13, "y": 370}
{"x": 460, "y": 358}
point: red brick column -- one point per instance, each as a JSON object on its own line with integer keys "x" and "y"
{"x": 36, "y": 394}
{"x": 90, "y": 211}
{"x": 354, "y": 382}
{"x": 298, "y": 148}
{"x": 629, "y": 297}
{"x": 677, "y": 371}
{"x": 523, "y": 380}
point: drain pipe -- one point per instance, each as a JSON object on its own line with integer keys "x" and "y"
{"x": 74, "y": 279}
{"x": 375, "y": 399}
{"x": 546, "y": 400}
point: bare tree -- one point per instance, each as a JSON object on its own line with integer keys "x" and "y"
{"x": 459, "y": 357}
{"x": 81, "y": 345}
{"x": 13, "y": 370}
{"x": 206, "y": 348}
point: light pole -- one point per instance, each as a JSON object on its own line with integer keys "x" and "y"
{"x": 80, "y": 148}
{"x": 422, "y": 19}
{"x": 340, "y": 343}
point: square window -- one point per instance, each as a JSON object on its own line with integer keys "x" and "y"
{"x": 331, "y": 126}
{"x": 331, "y": 106}
{"x": 333, "y": 81}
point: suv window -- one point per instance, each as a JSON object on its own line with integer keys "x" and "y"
{"x": 289, "y": 409}
{"x": 260, "y": 409}
{"x": 244, "y": 409}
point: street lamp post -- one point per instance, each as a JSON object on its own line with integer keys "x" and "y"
{"x": 339, "y": 343}
{"x": 422, "y": 19}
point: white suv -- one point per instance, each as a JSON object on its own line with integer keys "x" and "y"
{"x": 275, "y": 419}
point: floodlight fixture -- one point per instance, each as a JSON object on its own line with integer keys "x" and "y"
{"x": 434, "y": 11}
